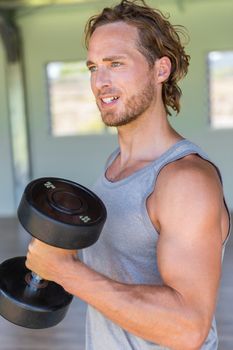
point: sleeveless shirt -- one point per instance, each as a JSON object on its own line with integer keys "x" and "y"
{"x": 126, "y": 249}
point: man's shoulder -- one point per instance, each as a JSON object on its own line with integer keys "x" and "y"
{"x": 190, "y": 182}
{"x": 189, "y": 169}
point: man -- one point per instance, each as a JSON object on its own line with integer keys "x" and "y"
{"x": 151, "y": 281}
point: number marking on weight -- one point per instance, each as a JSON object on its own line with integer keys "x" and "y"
{"x": 49, "y": 184}
{"x": 85, "y": 219}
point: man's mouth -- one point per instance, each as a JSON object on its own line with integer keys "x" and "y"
{"x": 110, "y": 99}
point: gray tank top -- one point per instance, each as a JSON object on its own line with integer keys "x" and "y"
{"x": 126, "y": 249}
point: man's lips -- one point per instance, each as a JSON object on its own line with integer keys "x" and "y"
{"x": 108, "y": 100}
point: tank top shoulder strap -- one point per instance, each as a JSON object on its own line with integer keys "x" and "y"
{"x": 180, "y": 150}
{"x": 177, "y": 151}
{"x": 112, "y": 156}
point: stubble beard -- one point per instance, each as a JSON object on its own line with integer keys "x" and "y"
{"x": 135, "y": 106}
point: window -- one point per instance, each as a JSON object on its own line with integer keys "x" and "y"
{"x": 72, "y": 106}
{"x": 220, "y": 65}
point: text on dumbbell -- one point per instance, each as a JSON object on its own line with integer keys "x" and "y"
{"x": 85, "y": 218}
{"x": 49, "y": 184}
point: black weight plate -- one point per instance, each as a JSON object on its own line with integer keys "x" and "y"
{"x": 61, "y": 213}
{"x": 64, "y": 200}
{"x": 26, "y": 306}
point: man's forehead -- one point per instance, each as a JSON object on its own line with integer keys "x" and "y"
{"x": 112, "y": 32}
{"x": 114, "y": 39}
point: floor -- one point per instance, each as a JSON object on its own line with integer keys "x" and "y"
{"x": 69, "y": 334}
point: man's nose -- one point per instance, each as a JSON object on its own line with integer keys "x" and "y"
{"x": 102, "y": 79}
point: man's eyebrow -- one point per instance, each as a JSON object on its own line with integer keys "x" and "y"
{"x": 108, "y": 59}
{"x": 89, "y": 63}
{"x": 114, "y": 58}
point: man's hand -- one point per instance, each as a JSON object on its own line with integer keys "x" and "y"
{"x": 48, "y": 261}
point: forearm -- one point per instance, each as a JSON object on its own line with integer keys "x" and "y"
{"x": 155, "y": 313}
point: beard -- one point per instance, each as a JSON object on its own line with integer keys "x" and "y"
{"x": 134, "y": 107}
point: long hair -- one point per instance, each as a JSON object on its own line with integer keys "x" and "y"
{"x": 157, "y": 38}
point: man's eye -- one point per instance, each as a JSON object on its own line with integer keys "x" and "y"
{"x": 116, "y": 64}
{"x": 92, "y": 68}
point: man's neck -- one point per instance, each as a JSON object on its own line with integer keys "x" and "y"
{"x": 141, "y": 142}
{"x": 145, "y": 139}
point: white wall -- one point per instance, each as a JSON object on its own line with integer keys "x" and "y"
{"x": 7, "y": 206}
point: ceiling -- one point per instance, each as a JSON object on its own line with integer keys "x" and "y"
{"x": 16, "y": 7}
{"x": 19, "y": 4}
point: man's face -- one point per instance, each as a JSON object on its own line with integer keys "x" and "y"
{"x": 121, "y": 80}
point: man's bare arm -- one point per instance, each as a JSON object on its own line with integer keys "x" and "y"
{"x": 178, "y": 313}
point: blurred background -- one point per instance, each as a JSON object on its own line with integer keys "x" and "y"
{"x": 50, "y": 126}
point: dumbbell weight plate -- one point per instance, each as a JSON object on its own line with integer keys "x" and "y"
{"x": 26, "y": 306}
{"x": 61, "y": 213}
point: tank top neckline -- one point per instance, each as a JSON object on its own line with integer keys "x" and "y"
{"x": 152, "y": 164}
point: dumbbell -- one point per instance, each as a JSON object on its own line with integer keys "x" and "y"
{"x": 60, "y": 213}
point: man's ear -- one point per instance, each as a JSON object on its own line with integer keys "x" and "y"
{"x": 163, "y": 69}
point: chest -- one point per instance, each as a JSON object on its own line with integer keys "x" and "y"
{"x": 117, "y": 172}
{"x": 128, "y": 226}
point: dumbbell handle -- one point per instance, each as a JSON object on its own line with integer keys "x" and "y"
{"x": 35, "y": 278}
{"x": 34, "y": 281}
